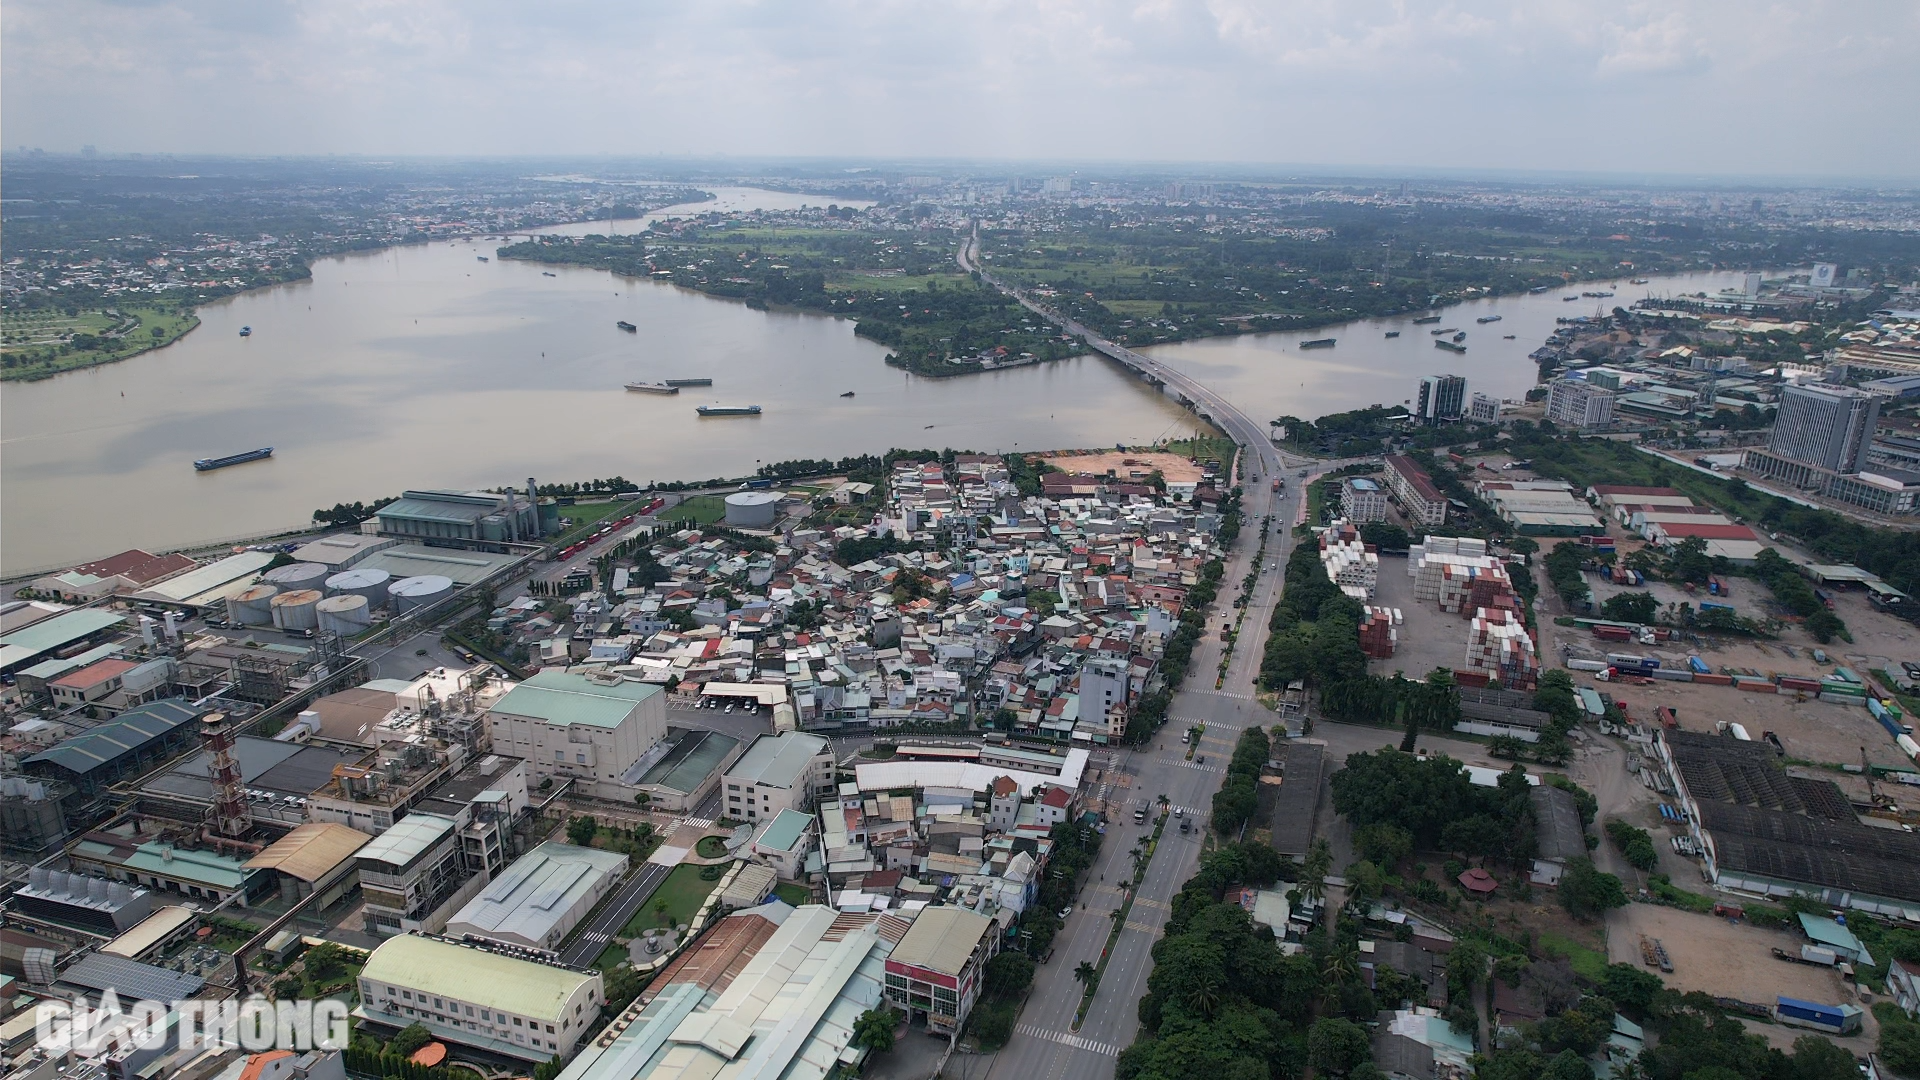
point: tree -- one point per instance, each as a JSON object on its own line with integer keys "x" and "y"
{"x": 1586, "y": 892}
{"x": 1086, "y": 974}
{"x": 1567, "y": 1065}
{"x": 1637, "y": 607}
{"x": 874, "y": 1028}
{"x": 1817, "y": 1058}
{"x": 1314, "y": 871}
{"x": 581, "y": 830}
{"x": 1009, "y": 974}
{"x": 1337, "y": 1046}
{"x": 1383, "y": 844}
{"x": 411, "y": 1038}
{"x": 641, "y": 800}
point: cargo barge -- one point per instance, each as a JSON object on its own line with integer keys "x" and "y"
{"x": 208, "y": 464}
{"x": 1318, "y": 343}
{"x": 652, "y": 388}
{"x": 728, "y": 410}
{"x": 689, "y": 382}
{"x": 1450, "y": 346}
{"x": 627, "y": 326}
{"x": 1425, "y": 319}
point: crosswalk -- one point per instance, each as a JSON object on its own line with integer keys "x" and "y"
{"x": 690, "y": 823}
{"x": 1235, "y": 695}
{"x": 1065, "y": 1038}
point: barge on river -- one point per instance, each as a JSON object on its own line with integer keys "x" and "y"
{"x": 728, "y": 410}
{"x": 208, "y": 464}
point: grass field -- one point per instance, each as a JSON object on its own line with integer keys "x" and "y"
{"x": 38, "y": 343}
{"x": 1587, "y": 963}
{"x": 587, "y": 517}
{"x": 683, "y": 892}
{"x": 700, "y": 510}
{"x": 611, "y": 957}
{"x": 792, "y": 894}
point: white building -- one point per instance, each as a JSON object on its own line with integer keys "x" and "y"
{"x": 1576, "y": 403}
{"x": 1103, "y": 684}
{"x": 540, "y": 898}
{"x": 592, "y": 728}
{"x": 784, "y": 843}
{"x": 471, "y": 996}
{"x": 789, "y": 771}
{"x": 1363, "y": 500}
{"x": 1483, "y": 408}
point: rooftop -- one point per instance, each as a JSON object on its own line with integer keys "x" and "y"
{"x": 777, "y": 760}
{"x": 122, "y": 735}
{"x": 785, "y": 830}
{"x": 185, "y": 587}
{"x": 561, "y": 699}
{"x": 530, "y": 897}
{"x": 691, "y": 758}
{"x": 475, "y": 975}
{"x": 941, "y": 939}
{"x": 311, "y": 851}
{"x": 407, "y": 840}
{"x": 44, "y": 636}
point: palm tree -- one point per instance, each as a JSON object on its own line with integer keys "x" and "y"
{"x": 1204, "y": 998}
{"x": 1086, "y": 975}
{"x": 1313, "y": 873}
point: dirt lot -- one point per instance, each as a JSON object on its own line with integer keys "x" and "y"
{"x": 1720, "y": 957}
{"x": 1136, "y": 466}
{"x": 1429, "y": 638}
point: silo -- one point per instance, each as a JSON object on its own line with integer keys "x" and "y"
{"x": 295, "y": 610}
{"x": 299, "y": 575}
{"x": 345, "y": 614}
{"x": 365, "y": 582}
{"x": 253, "y": 607}
{"x": 752, "y": 509}
{"x": 413, "y": 592}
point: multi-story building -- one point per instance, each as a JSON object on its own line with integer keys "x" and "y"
{"x": 1441, "y": 398}
{"x": 590, "y": 728}
{"x": 1362, "y": 500}
{"x": 1103, "y": 684}
{"x": 1483, "y": 408}
{"x": 1576, "y": 403}
{"x": 476, "y": 997}
{"x": 1419, "y": 498}
{"x": 484, "y": 520}
{"x": 936, "y": 970}
{"x": 789, "y": 771}
{"x": 1827, "y": 427}
{"x": 410, "y": 875}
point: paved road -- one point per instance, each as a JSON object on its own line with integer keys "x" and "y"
{"x": 608, "y": 921}
{"x": 1044, "y": 1046}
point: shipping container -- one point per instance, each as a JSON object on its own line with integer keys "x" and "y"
{"x": 1666, "y": 717}
{"x": 1698, "y": 665}
{"x": 1909, "y": 747}
{"x": 1839, "y": 699}
{"x": 1671, "y": 674}
{"x": 1815, "y": 954}
{"x": 1586, "y": 665}
{"x": 1712, "y": 678}
{"x": 1794, "y": 682}
{"x": 1758, "y": 686}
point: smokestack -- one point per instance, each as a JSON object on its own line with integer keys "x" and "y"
{"x": 513, "y": 519}
{"x": 173, "y": 632}
{"x": 533, "y": 500}
{"x": 146, "y": 630}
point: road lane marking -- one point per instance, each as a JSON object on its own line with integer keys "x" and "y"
{"x": 1068, "y": 1039}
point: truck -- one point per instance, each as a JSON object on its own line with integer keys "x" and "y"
{"x": 1139, "y": 815}
{"x": 755, "y": 485}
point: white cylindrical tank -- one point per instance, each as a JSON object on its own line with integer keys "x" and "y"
{"x": 253, "y": 607}
{"x": 299, "y": 575}
{"x": 752, "y": 509}
{"x": 366, "y": 582}
{"x": 413, "y": 592}
{"x": 295, "y": 610}
{"x": 345, "y": 614}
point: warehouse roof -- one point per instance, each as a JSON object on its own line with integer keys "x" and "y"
{"x": 149, "y": 932}
{"x": 777, "y": 760}
{"x": 188, "y": 864}
{"x": 435, "y": 504}
{"x": 529, "y": 898}
{"x": 187, "y": 586}
{"x": 407, "y": 839}
{"x": 342, "y": 551}
{"x": 30, "y": 642}
{"x": 888, "y": 775}
{"x": 126, "y": 734}
{"x": 942, "y": 938}
{"x": 461, "y": 567}
{"x": 1557, "y": 824}
{"x": 475, "y": 975}
{"x": 311, "y": 851}
{"x": 130, "y": 979}
{"x": 565, "y": 700}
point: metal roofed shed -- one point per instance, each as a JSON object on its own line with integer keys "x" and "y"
{"x": 340, "y": 552}
{"x": 785, "y": 830}
{"x": 209, "y": 584}
{"x": 942, "y": 939}
{"x": 959, "y": 776}
{"x": 541, "y": 897}
{"x": 131, "y": 741}
{"x": 461, "y": 567}
{"x": 778, "y": 760}
{"x": 28, "y": 644}
{"x": 151, "y": 933}
{"x": 311, "y": 852}
{"x": 408, "y": 839}
{"x": 131, "y": 979}
{"x": 691, "y": 757}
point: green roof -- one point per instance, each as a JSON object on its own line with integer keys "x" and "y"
{"x": 456, "y": 507}
{"x": 562, "y": 699}
{"x": 692, "y": 759}
{"x": 188, "y": 864}
{"x": 29, "y": 642}
{"x": 785, "y": 830}
{"x": 475, "y": 975}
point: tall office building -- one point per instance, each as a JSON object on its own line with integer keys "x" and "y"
{"x": 1441, "y": 398}
{"x": 1825, "y": 426}
{"x": 1577, "y": 403}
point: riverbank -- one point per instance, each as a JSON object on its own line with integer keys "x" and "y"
{"x": 40, "y": 344}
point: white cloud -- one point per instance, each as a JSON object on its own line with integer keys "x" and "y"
{"x": 1455, "y": 83}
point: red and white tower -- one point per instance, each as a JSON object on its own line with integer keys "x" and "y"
{"x": 229, "y": 798}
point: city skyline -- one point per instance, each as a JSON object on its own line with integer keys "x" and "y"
{"x": 1568, "y": 88}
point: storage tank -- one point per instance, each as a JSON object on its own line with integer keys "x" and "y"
{"x": 253, "y": 607}
{"x": 365, "y": 582}
{"x": 345, "y": 614}
{"x": 413, "y": 592}
{"x": 295, "y": 610}
{"x": 299, "y": 575}
{"x": 752, "y": 509}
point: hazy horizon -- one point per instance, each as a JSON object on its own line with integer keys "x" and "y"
{"x": 1704, "y": 91}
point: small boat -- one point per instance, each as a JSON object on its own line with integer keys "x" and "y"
{"x": 1569, "y": 298}
{"x": 1537, "y": 289}
{"x": 246, "y": 331}
{"x": 1443, "y": 330}
{"x": 1318, "y": 343}
{"x": 1450, "y": 346}
{"x": 1393, "y": 333}
{"x": 689, "y": 382}
{"x": 1488, "y": 319}
{"x": 847, "y": 394}
{"x": 1425, "y": 319}
{"x": 627, "y": 326}
{"x": 653, "y": 388}
{"x": 1506, "y": 337}
{"x": 482, "y": 258}
{"x": 728, "y": 410}
{"x": 1461, "y": 336}
{"x": 1637, "y": 281}
{"x": 548, "y": 273}
{"x": 209, "y": 464}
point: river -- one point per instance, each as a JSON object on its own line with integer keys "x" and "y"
{"x": 423, "y": 367}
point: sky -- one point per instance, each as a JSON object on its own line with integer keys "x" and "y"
{"x": 1818, "y": 88}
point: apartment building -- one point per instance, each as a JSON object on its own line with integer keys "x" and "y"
{"x": 789, "y": 771}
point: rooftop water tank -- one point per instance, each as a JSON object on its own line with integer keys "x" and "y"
{"x": 295, "y": 610}
{"x": 752, "y": 509}
{"x": 253, "y": 607}
{"x": 366, "y": 581}
{"x": 345, "y": 614}
{"x": 299, "y": 575}
{"x": 413, "y": 592}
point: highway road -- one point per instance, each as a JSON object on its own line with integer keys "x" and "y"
{"x": 1044, "y": 1045}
